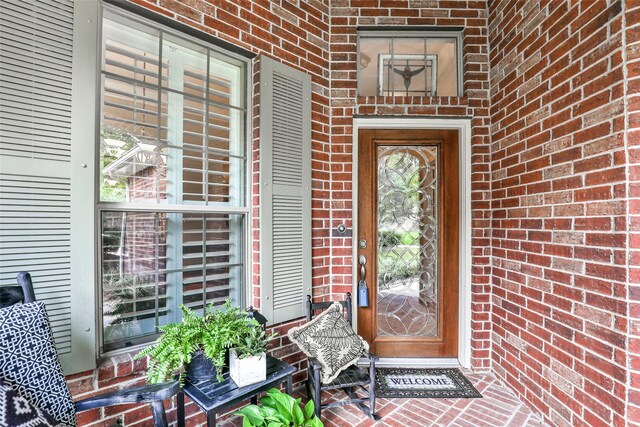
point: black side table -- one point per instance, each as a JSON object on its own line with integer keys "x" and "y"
{"x": 212, "y": 396}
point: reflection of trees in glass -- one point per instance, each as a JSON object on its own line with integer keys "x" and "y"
{"x": 133, "y": 278}
{"x": 118, "y": 287}
{"x": 121, "y": 293}
{"x": 400, "y": 214}
{"x": 398, "y": 185}
{"x": 113, "y": 142}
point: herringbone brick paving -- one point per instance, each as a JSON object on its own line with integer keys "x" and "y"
{"x": 499, "y": 407}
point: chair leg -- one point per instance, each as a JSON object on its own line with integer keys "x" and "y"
{"x": 307, "y": 383}
{"x": 364, "y": 408}
{"x": 372, "y": 391}
{"x": 159, "y": 416}
{"x": 316, "y": 392}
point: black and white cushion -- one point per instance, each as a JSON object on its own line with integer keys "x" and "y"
{"x": 17, "y": 411}
{"x": 29, "y": 361}
{"x": 330, "y": 339}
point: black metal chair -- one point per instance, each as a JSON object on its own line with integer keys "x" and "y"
{"x": 352, "y": 379}
{"x": 152, "y": 394}
{"x": 252, "y": 313}
{"x": 20, "y": 293}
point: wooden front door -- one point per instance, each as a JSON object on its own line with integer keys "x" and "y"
{"x": 408, "y": 241}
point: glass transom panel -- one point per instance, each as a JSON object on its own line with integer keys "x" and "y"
{"x": 407, "y": 241}
{"x": 407, "y": 64}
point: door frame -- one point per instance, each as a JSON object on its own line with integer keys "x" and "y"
{"x": 463, "y": 126}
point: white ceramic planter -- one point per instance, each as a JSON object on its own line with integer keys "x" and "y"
{"x": 249, "y": 370}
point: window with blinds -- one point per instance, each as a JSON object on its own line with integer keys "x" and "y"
{"x": 172, "y": 202}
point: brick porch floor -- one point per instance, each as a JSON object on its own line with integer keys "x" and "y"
{"x": 499, "y": 407}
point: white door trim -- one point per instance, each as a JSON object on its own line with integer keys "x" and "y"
{"x": 463, "y": 126}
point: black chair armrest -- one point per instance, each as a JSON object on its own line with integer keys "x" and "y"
{"x": 143, "y": 394}
{"x": 24, "y": 280}
{"x": 314, "y": 363}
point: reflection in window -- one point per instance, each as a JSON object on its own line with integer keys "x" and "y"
{"x": 408, "y": 64}
{"x": 407, "y": 252}
{"x": 172, "y": 178}
{"x": 145, "y": 273}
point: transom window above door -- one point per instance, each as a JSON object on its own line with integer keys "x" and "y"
{"x": 409, "y": 63}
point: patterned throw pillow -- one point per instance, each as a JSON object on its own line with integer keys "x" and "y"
{"x": 330, "y": 339}
{"x": 29, "y": 361}
{"x": 16, "y": 411}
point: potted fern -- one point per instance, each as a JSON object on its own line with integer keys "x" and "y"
{"x": 248, "y": 359}
{"x": 197, "y": 345}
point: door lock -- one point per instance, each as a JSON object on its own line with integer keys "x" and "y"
{"x": 362, "y": 243}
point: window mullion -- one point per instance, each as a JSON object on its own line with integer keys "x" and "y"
{"x": 159, "y": 117}
{"x": 156, "y": 245}
{"x": 426, "y": 88}
{"x": 205, "y": 173}
{"x": 150, "y": 207}
{"x": 205, "y": 156}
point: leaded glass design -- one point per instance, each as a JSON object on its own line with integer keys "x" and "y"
{"x": 407, "y": 244}
{"x": 408, "y": 63}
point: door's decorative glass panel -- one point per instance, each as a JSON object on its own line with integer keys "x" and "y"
{"x": 407, "y": 243}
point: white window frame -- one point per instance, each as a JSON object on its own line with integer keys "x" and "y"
{"x": 99, "y": 207}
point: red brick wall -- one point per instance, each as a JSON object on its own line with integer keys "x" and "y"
{"x": 295, "y": 32}
{"x": 632, "y": 51}
{"x": 559, "y": 244}
{"x": 346, "y": 16}
{"x": 549, "y": 183}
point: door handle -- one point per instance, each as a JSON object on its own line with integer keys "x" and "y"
{"x": 362, "y": 260}
{"x": 363, "y": 290}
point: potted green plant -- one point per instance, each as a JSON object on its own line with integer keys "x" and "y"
{"x": 248, "y": 358}
{"x": 278, "y": 409}
{"x": 197, "y": 345}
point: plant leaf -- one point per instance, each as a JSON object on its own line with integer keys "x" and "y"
{"x": 268, "y": 401}
{"x": 268, "y": 412}
{"x": 309, "y": 409}
{"x": 252, "y": 412}
{"x": 283, "y": 403}
{"x": 298, "y": 416}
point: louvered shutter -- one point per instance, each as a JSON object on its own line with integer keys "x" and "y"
{"x": 285, "y": 199}
{"x": 36, "y": 218}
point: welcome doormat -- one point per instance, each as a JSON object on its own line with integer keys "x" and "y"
{"x": 413, "y": 382}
